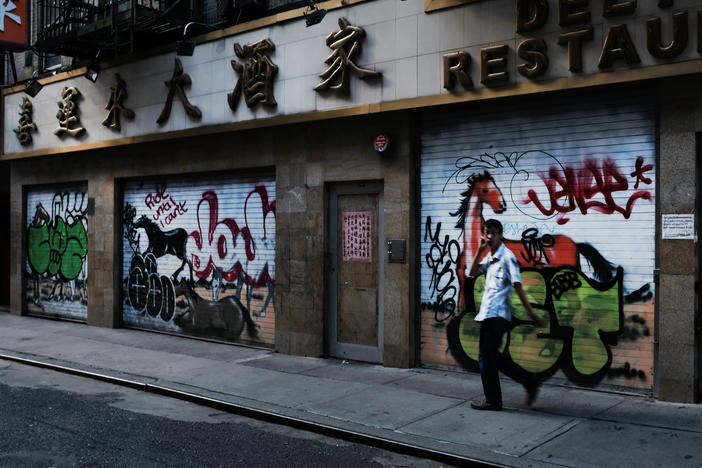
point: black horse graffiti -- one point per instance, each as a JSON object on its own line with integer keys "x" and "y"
{"x": 225, "y": 317}
{"x": 165, "y": 243}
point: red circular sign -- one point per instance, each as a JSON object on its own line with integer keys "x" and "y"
{"x": 381, "y": 143}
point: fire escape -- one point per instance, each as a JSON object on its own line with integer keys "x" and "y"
{"x": 112, "y": 28}
{"x": 82, "y": 28}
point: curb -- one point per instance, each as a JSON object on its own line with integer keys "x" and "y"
{"x": 268, "y": 416}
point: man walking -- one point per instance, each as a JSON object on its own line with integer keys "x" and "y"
{"x": 501, "y": 271}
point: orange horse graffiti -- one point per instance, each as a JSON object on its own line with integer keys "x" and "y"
{"x": 531, "y": 251}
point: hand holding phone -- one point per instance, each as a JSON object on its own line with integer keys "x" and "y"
{"x": 483, "y": 242}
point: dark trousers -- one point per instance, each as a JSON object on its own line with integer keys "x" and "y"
{"x": 490, "y": 360}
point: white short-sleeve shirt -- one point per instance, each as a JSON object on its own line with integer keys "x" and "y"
{"x": 501, "y": 272}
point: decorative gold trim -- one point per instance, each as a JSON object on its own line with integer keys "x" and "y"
{"x": 209, "y": 37}
{"x": 558, "y": 84}
{"x": 435, "y": 5}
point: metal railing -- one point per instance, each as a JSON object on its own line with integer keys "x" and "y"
{"x": 63, "y": 17}
{"x": 66, "y": 27}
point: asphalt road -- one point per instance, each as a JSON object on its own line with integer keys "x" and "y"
{"x": 51, "y": 419}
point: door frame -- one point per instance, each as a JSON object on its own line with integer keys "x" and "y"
{"x": 334, "y": 348}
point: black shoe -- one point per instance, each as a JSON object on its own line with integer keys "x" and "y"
{"x": 532, "y": 392}
{"x": 484, "y": 405}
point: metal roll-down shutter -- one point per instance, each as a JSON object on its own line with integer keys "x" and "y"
{"x": 199, "y": 256}
{"x": 56, "y": 260}
{"x": 573, "y": 183}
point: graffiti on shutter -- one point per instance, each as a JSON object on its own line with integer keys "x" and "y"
{"x": 574, "y": 187}
{"x": 199, "y": 257}
{"x": 56, "y": 268}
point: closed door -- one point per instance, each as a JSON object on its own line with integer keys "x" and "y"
{"x": 355, "y": 321}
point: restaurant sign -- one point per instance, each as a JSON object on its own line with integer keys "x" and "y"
{"x": 14, "y": 24}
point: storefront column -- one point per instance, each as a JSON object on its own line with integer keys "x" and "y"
{"x": 676, "y": 329}
{"x": 16, "y": 241}
{"x": 101, "y": 253}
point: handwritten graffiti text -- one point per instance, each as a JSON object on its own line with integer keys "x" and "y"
{"x": 167, "y": 208}
{"x": 569, "y": 189}
{"x": 534, "y": 246}
{"x": 442, "y": 258}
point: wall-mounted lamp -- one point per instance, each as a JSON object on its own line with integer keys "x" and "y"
{"x": 93, "y": 72}
{"x": 186, "y": 47}
{"x": 312, "y": 14}
{"x": 93, "y": 69}
{"x": 32, "y": 87}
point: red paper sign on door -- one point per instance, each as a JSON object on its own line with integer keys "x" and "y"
{"x": 357, "y": 246}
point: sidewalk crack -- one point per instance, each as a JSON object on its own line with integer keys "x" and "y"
{"x": 447, "y": 408}
{"x": 564, "y": 429}
{"x": 596, "y": 416}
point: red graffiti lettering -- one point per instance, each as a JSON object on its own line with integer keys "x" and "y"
{"x": 638, "y": 173}
{"x": 216, "y": 239}
{"x": 569, "y": 189}
{"x": 267, "y": 207}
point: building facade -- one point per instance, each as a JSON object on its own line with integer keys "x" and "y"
{"x": 320, "y": 190}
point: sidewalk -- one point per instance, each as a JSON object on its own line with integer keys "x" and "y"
{"x": 422, "y": 407}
